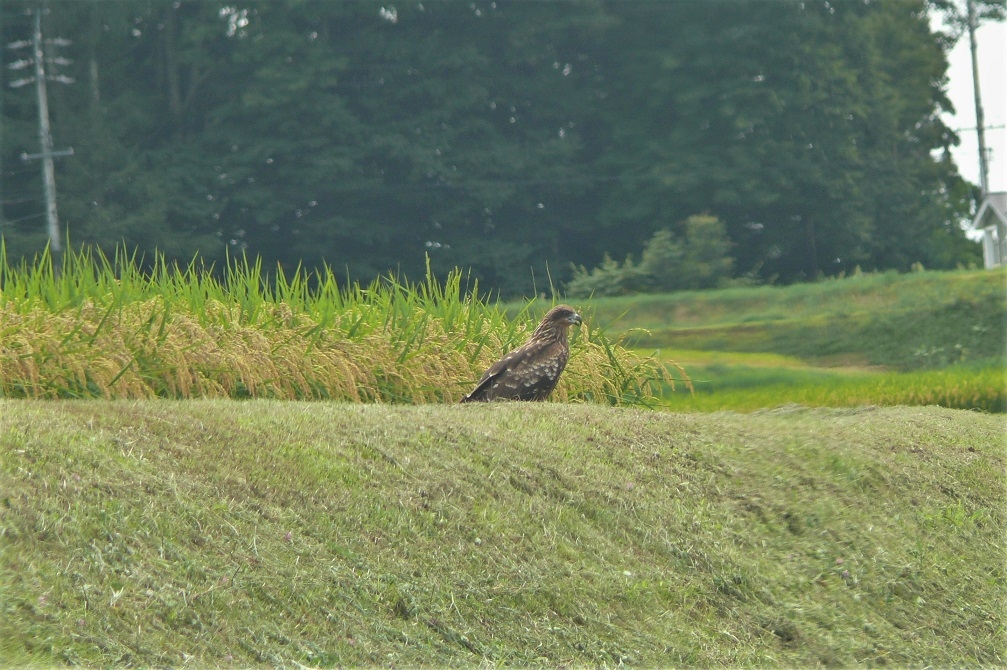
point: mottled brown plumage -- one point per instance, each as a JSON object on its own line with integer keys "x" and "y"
{"x": 531, "y": 371}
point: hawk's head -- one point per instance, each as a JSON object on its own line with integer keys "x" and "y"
{"x": 555, "y": 322}
{"x": 563, "y": 315}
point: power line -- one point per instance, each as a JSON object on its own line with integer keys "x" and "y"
{"x": 17, "y": 201}
{"x": 26, "y": 218}
{"x": 970, "y": 128}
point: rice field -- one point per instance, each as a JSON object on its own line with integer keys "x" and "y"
{"x": 105, "y": 328}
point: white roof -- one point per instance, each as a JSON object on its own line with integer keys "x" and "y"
{"x": 993, "y": 207}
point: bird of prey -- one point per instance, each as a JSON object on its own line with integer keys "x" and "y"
{"x": 531, "y": 371}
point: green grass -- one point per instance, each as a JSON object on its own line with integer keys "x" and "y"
{"x": 918, "y": 339}
{"x": 745, "y": 388}
{"x": 745, "y": 382}
{"x": 914, "y": 321}
{"x": 214, "y": 533}
{"x": 263, "y": 533}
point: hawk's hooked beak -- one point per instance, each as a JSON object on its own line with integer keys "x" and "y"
{"x": 575, "y": 318}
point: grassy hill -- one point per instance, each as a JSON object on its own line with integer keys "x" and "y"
{"x": 907, "y": 321}
{"x": 215, "y": 533}
{"x": 917, "y": 339}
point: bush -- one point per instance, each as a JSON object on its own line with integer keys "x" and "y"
{"x": 669, "y": 262}
{"x": 608, "y": 279}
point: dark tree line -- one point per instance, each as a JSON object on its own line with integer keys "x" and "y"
{"x": 514, "y": 138}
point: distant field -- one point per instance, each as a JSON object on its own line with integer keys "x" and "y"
{"x": 743, "y": 386}
{"x": 876, "y": 293}
{"x": 922, "y": 338}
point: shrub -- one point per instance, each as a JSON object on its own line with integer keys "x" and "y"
{"x": 696, "y": 260}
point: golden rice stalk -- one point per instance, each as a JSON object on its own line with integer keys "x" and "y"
{"x": 149, "y": 348}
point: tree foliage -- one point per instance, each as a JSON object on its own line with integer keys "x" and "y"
{"x": 696, "y": 259}
{"x": 513, "y": 138}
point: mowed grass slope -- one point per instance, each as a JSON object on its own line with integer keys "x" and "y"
{"x": 263, "y": 533}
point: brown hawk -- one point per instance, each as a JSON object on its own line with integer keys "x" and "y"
{"x": 531, "y": 371}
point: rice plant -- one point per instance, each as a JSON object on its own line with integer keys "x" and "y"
{"x": 105, "y": 328}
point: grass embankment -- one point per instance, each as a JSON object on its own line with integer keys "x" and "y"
{"x": 215, "y": 533}
{"x": 105, "y": 329}
{"x": 921, "y": 338}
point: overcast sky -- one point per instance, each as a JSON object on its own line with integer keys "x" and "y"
{"x": 992, "y": 41}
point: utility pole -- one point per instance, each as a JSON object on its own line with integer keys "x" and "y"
{"x": 44, "y": 130}
{"x": 980, "y": 117}
{"x": 984, "y": 184}
{"x": 45, "y": 141}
